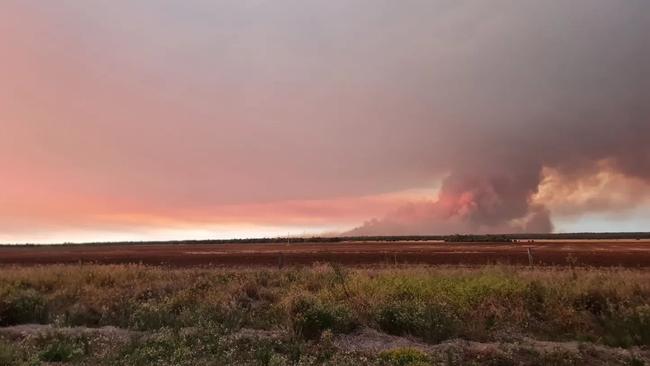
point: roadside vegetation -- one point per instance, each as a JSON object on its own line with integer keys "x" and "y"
{"x": 323, "y": 315}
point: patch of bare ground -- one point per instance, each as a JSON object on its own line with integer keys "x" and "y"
{"x": 247, "y": 333}
{"x": 44, "y": 330}
{"x": 101, "y": 342}
{"x": 517, "y": 350}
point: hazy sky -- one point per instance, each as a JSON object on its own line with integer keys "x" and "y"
{"x": 156, "y": 119}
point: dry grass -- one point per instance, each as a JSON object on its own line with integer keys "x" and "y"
{"x": 432, "y": 304}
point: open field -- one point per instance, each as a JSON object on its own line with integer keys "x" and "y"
{"x": 626, "y": 253}
{"x": 361, "y": 303}
{"x": 324, "y": 315}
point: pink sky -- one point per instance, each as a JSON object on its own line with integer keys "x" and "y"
{"x": 197, "y": 119}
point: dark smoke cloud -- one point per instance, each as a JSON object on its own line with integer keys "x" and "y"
{"x": 567, "y": 90}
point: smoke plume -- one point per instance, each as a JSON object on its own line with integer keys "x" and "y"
{"x": 568, "y": 94}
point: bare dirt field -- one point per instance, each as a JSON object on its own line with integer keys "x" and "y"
{"x": 592, "y": 253}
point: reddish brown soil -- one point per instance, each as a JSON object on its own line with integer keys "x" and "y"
{"x": 593, "y": 253}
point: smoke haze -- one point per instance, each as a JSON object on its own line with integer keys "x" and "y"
{"x": 175, "y": 112}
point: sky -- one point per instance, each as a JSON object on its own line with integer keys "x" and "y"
{"x": 195, "y": 119}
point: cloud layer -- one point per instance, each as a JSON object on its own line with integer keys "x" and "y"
{"x": 177, "y": 109}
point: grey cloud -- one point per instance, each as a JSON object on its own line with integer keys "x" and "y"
{"x": 214, "y": 102}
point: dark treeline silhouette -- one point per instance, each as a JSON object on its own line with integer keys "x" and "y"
{"x": 479, "y": 239}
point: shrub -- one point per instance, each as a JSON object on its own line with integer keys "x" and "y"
{"x": 20, "y": 306}
{"x": 404, "y": 357}
{"x": 639, "y": 324}
{"x": 8, "y": 355}
{"x": 633, "y": 361}
{"x": 311, "y": 318}
{"x": 627, "y": 328}
{"x": 153, "y": 315}
{"x": 263, "y": 355}
{"x": 427, "y": 321}
{"x": 593, "y": 301}
{"x": 399, "y": 318}
{"x": 535, "y": 300}
{"x": 62, "y": 350}
{"x": 82, "y": 315}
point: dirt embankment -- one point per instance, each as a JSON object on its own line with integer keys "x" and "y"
{"x": 515, "y": 350}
